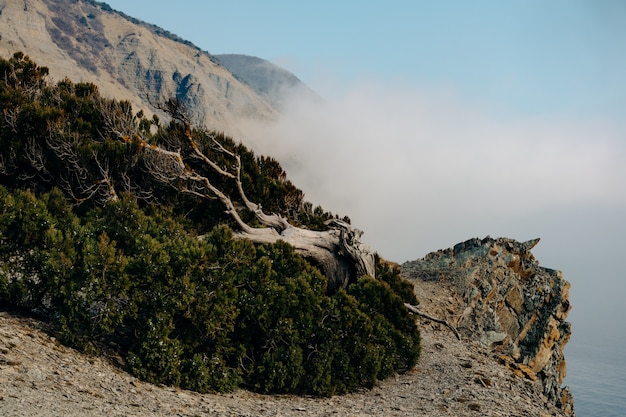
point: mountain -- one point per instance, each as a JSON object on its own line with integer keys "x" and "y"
{"x": 86, "y": 40}
{"x": 269, "y": 81}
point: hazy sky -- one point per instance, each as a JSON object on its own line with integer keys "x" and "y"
{"x": 447, "y": 120}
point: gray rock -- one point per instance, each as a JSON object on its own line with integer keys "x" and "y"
{"x": 506, "y": 300}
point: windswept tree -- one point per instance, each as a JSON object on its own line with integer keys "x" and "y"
{"x": 94, "y": 149}
{"x": 101, "y": 213}
{"x": 197, "y": 163}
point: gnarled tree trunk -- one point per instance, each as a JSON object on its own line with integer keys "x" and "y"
{"x": 338, "y": 251}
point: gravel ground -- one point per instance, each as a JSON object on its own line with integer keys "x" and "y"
{"x": 41, "y": 377}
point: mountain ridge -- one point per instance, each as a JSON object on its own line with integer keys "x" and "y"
{"x": 129, "y": 59}
{"x": 268, "y": 80}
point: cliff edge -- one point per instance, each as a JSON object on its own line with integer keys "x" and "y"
{"x": 501, "y": 298}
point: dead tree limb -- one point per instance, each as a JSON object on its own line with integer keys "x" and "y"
{"x": 413, "y": 309}
{"x": 338, "y": 251}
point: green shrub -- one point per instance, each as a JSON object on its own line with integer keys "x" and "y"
{"x": 131, "y": 273}
{"x": 206, "y": 314}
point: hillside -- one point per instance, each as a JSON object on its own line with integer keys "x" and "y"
{"x": 269, "y": 81}
{"x": 150, "y": 236}
{"x": 128, "y": 59}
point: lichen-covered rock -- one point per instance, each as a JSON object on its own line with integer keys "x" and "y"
{"x": 504, "y": 299}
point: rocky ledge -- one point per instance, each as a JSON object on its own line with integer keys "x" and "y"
{"x": 501, "y": 298}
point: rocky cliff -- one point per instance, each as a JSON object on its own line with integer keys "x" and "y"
{"x": 498, "y": 295}
{"x": 128, "y": 59}
{"x": 501, "y": 297}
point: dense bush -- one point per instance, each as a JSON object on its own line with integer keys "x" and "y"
{"x": 205, "y": 314}
{"x": 158, "y": 277}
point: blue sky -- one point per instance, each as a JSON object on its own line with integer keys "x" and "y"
{"x": 530, "y": 93}
{"x": 525, "y": 56}
{"x": 455, "y": 110}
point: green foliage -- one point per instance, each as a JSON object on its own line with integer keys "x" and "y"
{"x": 21, "y": 73}
{"x": 132, "y": 274}
{"x": 395, "y": 331}
{"x": 67, "y": 136}
{"x": 205, "y": 314}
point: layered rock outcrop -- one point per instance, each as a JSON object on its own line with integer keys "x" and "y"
{"x": 501, "y": 297}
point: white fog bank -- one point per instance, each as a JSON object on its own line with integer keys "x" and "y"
{"x": 416, "y": 171}
{"x": 420, "y": 171}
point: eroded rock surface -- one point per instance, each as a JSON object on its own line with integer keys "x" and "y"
{"x": 87, "y": 41}
{"x": 502, "y": 298}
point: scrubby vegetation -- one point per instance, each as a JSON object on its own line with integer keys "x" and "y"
{"x": 116, "y": 260}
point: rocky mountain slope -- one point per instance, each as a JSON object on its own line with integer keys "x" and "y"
{"x": 88, "y": 41}
{"x": 510, "y": 311}
{"x": 269, "y": 81}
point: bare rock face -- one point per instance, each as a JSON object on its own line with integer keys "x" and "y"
{"x": 128, "y": 59}
{"x": 502, "y": 298}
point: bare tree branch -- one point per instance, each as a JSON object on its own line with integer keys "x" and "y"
{"x": 35, "y": 155}
{"x": 10, "y": 118}
{"x": 337, "y": 251}
{"x": 415, "y": 310}
{"x": 106, "y": 181}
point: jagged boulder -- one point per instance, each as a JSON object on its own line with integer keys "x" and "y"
{"x": 502, "y": 298}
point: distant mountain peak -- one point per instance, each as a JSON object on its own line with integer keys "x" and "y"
{"x": 268, "y": 80}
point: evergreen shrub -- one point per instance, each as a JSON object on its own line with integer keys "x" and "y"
{"x": 157, "y": 276}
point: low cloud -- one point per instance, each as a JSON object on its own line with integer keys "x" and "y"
{"x": 420, "y": 171}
